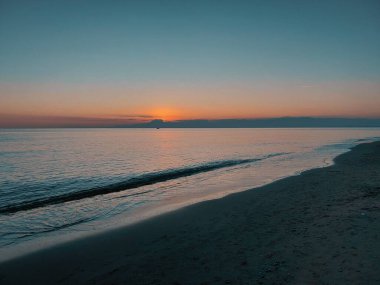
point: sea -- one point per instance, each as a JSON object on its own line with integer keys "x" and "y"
{"x": 57, "y": 185}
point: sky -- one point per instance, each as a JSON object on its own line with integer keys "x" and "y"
{"x": 134, "y": 61}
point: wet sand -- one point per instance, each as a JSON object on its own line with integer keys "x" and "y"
{"x": 321, "y": 227}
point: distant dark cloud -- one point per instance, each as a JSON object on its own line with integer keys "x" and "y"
{"x": 24, "y": 121}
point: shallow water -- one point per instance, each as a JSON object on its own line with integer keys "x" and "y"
{"x": 56, "y": 184}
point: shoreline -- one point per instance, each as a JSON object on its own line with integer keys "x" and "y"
{"x": 140, "y": 215}
{"x": 290, "y": 231}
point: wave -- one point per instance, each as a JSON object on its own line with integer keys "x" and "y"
{"x": 134, "y": 182}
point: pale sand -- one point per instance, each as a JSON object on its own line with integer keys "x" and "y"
{"x": 322, "y": 227}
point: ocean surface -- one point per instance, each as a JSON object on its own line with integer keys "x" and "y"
{"x": 60, "y": 184}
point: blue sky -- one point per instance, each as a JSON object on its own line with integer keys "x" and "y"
{"x": 73, "y": 41}
{"x": 185, "y": 43}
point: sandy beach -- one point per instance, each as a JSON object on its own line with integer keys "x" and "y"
{"x": 321, "y": 227}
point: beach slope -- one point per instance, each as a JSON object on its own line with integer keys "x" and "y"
{"x": 320, "y": 227}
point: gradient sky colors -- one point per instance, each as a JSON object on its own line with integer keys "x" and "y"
{"x": 140, "y": 60}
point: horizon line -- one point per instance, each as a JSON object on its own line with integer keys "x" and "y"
{"x": 35, "y": 122}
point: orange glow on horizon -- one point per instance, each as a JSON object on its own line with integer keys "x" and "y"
{"x": 120, "y": 103}
{"x": 165, "y": 113}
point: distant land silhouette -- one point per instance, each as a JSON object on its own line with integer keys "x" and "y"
{"x": 284, "y": 122}
{"x": 281, "y": 122}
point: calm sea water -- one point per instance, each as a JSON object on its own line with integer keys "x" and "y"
{"x": 57, "y": 184}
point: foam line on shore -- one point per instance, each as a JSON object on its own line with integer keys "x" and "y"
{"x": 131, "y": 183}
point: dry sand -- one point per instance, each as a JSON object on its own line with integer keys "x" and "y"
{"x": 322, "y": 227}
